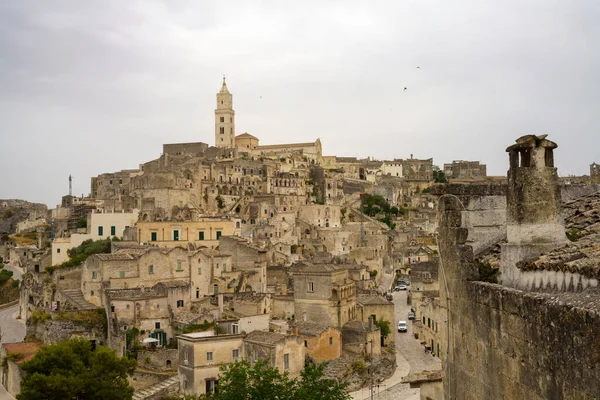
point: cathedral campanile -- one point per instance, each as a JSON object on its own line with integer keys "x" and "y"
{"x": 224, "y": 119}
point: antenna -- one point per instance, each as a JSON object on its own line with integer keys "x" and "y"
{"x": 70, "y": 185}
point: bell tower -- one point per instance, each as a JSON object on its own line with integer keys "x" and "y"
{"x": 224, "y": 119}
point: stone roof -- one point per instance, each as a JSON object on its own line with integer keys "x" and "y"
{"x": 28, "y": 349}
{"x": 264, "y": 338}
{"x": 116, "y": 257}
{"x": 374, "y": 301}
{"x": 358, "y": 326}
{"x": 423, "y": 376}
{"x": 582, "y": 254}
{"x": 246, "y": 135}
{"x": 310, "y": 329}
{"x": 173, "y": 284}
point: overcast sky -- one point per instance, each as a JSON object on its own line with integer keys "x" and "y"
{"x": 88, "y": 87}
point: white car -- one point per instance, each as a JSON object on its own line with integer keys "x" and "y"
{"x": 402, "y": 326}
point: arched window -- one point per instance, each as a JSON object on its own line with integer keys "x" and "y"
{"x": 197, "y": 293}
{"x": 179, "y": 303}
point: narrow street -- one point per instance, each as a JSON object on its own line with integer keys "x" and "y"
{"x": 11, "y": 329}
{"x": 410, "y": 357}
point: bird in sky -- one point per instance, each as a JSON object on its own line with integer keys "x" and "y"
{"x": 418, "y": 67}
{"x": 405, "y": 88}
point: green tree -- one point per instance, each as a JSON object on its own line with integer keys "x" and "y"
{"x": 243, "y": 381}
{"x": 439, "y": 177}
{"x": 72, "y": 370}
{"x": 314, "y": 386}
{"x": 82, "y": 222}
{"x": 384, "y": 327}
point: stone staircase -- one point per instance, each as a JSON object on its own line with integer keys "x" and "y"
{"x": 77, "y": 300}
{"x": 337, "y": 367}
{"x": 164, "y": 387}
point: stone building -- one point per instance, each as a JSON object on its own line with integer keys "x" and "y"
{"x": 286, "y": 353}
{"x": 324, "y": 294}
{"x": 200, "y": 356}
{"x": 322, "y": 342}
{"x": 202, "y": 353}
{"x": 203, "y": 232}
{"x": 379, "y": 309}
{"x": 10, "y": 372}
{"x": 465, "y": 169}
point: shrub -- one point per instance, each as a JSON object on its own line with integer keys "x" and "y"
{"x": 358, "y": 366}
{"x": 38, "y": 317}
{"x": 487, "y": 273}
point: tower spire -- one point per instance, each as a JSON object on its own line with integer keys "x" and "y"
{"x": 224, "y": 87}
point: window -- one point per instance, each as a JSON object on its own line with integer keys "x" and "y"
{"x": 235, "y": 329}
{"x": 157, "y": 325}
{"x": 224, "y": 267}
{"x": 179, "y": 303}
{"x": 150, "y": 269}
{"x": 311, "y": 286}
{"x": 423, "y": 320}
{"x": 100, "y": 230}
{"x": 211, "y": 385}
{"x": 153, "y": 236}
{"x": 209, "y": 356}
{"x": 179, "y": 266}
{"x": 305, "y": 343}
{"x": 235, "y": 354}
{"x": 176, "y": 235}
{"x": 218, "y": 235}
{"x": 222, "y": 131}
{"x": 197, "y": 293}
{"x": 94, "y": 274}
{"x": 121, "y": 274}
{"x": 330, "y": 339}
{"x": 222, "y": 119}
{"x": 199, "y": 270}
{"x": 112, "y": 308}
{"x": 58, "y": 250}
{"x": 113, "y": 230}
{"x": 428, "y": 323}
{"x": 200, "y": 235}
{"x": 286, "y": 361}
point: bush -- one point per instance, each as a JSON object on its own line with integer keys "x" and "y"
{"x": 199, "y": 327}
{"x": 82, "y": 222}
{"x": 358, "y": 366}
{"x": 487, "y": 273}
{"x": 38, "y": 317}
{"x": 5, "y": 275}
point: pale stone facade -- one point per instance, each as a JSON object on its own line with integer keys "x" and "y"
{"x": 205, "y": 232}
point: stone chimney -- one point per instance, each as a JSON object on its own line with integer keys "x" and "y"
{"x": 534, "y": 223}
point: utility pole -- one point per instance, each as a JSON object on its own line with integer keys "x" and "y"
{"x": 371, "y": 384}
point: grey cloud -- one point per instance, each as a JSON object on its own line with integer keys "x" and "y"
{"x": 92, "y": 87}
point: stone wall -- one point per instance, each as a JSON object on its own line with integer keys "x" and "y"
{"x": 162, "y": 360}
{"x": 507, "y": 343}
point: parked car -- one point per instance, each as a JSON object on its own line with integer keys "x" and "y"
{"x": 402, "y": 287}
{"x": 411, "y": 315}
{"x": 402, "y": 326}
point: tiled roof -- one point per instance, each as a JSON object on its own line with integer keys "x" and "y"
{"x": 28, "y": 349}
